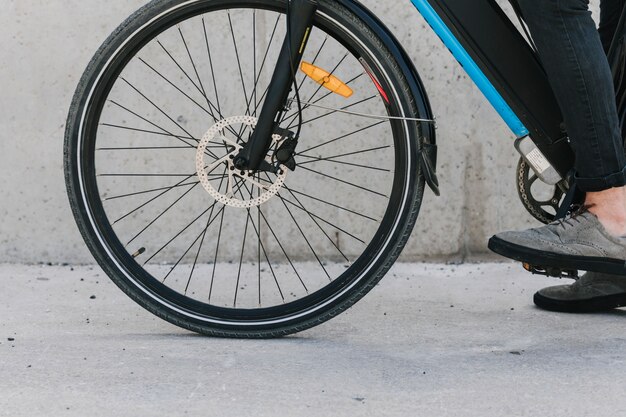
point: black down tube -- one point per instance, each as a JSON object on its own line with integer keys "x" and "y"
{"x": 301, "y": 14}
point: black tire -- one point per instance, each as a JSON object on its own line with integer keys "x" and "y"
{"x": 89, "y": 151}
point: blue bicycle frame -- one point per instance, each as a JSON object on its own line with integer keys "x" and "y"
{"x": 473, "y": 70}
{"x": 505, "y": 68}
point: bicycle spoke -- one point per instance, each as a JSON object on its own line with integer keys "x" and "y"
{"x": 147, "y": 175}
{"x": 305, "y": 238}
{"x": 152, "y": 132}
{"x": 312, "y": 217}
{"x": 344, "y": 182}
{"x": 149, "y": 191}
{"x": 313, "y": 160}
{"x": 162, "y": 112}
{"x": 261, "y": 246}
{"x": 195, "y": 260}
{"x": 332, "y": 159}
{"x": 193, "y": 64}
{"x": 243, "y": 84}
{"x": 318, "y": 217}
{"x": 178, "y": 234}
{"x": 217, "y": 248}
{"x": 291, "y": 190}
{"x": 162, "y": 214}
{"x": 378, "y": 148}
{"x": 210, "y": 111}
{"x": 200, "y": 90}
{"x": 203, "y": 233}
{"x": 144, "y": 148}
{"x": 167, "y": 190}
{"x": 280, "y": 245}
{"x": 180, "y": 138}
{"x": 303, "y": 235}
{"x": 200, "y": 82}
{"x": 260, "y": 214}
{"x": 209, "y": 222}
{"x": 256, "y": 81}
{"x": 302, "y": 153}
{"x": 208, "y": 151}
{"x": 208, "y": 48}
{"x": 243, "y": 247}
{"x": 254, "y": 73}
{"x": 335, "y": 111}
{"x": 211, "y": 105}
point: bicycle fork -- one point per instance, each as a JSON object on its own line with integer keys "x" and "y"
{"x": 300, "y": 18}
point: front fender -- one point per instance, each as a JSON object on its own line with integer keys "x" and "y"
{"x": 428, "y": 157}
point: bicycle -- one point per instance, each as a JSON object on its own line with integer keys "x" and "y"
{"x": 219, "y": 152}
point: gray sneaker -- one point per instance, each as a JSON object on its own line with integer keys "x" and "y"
{"x": 594, "y": 291}
{"x": 577, "y": 242}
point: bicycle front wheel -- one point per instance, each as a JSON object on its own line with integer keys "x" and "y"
{"x": 164, "y": 106}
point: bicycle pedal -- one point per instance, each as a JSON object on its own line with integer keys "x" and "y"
{"x": 551, "y": 271}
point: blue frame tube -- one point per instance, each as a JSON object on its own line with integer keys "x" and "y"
{"x": 472, "y": 69}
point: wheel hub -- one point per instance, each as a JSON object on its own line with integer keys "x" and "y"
{"x": 244, "y": 189}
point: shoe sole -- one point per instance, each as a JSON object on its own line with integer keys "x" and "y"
{"x": 590, "y": 305}
{"x": 539, "y": 258}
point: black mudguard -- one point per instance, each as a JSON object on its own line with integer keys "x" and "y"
{"x": 428, "y": 157}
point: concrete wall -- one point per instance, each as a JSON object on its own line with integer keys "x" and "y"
{"x": 46, "y": 45}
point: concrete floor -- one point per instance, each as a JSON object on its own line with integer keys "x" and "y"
{"x": 431, "y": 340}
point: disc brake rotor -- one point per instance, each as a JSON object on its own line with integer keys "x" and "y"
{"x": 541, "y": 200}
{"x": 253, "y": 185}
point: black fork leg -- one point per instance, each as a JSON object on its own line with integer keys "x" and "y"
{"x": 300, "y": 20}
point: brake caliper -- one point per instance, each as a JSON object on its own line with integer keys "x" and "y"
{"x": 286, "y": 152}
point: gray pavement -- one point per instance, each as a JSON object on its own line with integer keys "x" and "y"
{"x": 430, "y": 340}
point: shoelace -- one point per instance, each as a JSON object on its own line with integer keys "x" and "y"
{"x": 577, "y": 211}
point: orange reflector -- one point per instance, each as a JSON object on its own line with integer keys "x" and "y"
{"x": 326, "y": 79}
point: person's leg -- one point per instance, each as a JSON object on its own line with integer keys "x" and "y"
{"x": 593, "y": 291}
{"x": 608, "y": 203}
{"x": 593, "y": 238}
{"x": 572, "y": 53}
{"x": 610, "y": 11}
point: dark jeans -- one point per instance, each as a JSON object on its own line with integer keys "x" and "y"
{"x": 572, "y": 51}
